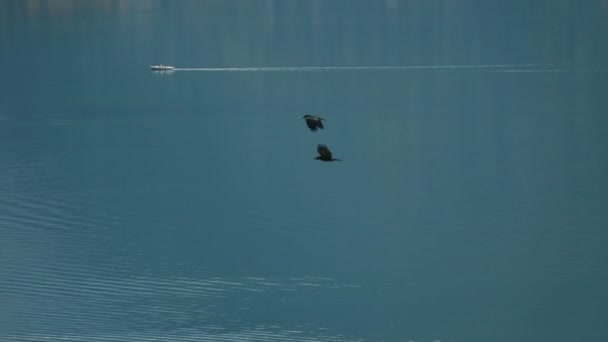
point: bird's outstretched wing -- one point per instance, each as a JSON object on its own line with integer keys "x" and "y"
{"x": 324, "y": 151}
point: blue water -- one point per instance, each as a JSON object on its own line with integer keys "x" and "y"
{"x": 470, "y": 204}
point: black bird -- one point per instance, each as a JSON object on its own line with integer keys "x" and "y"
{"x": 325, "y": 154}
{"x": 314, "y": 122}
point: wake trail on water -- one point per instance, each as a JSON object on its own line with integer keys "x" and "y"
{"x": 478, "y": 67}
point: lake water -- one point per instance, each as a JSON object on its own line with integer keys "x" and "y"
{"x": 470, "y": 205}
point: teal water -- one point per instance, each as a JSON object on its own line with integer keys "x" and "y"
{"x": 470, "y": 204}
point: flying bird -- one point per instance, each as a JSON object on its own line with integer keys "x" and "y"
{"x": 325, "y": 154}
{"x": 314, "y": 122}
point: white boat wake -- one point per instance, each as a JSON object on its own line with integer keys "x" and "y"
{"x": 473, "y": 67}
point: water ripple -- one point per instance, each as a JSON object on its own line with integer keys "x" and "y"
{"x": 55, "y": 294}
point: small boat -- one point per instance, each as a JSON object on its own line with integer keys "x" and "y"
{"x": 162, "y": 67}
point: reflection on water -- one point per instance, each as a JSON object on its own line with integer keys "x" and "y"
{"x": 319, "y": 33}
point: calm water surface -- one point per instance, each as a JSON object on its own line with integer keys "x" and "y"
{"x": 470, "y": 204}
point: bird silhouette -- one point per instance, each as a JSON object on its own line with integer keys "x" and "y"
{"x": 314, "y": 122}
{"x": 325, "y": 154}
